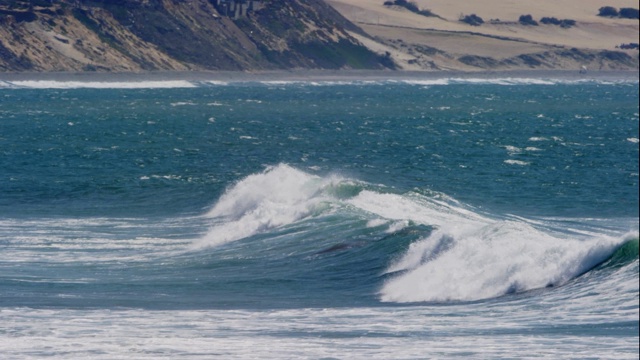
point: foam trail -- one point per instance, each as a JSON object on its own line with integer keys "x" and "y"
{"x": 279, "y": 196}
{"x": 418, "y": 208}
{"x": 509, "y": 81}
{"x": 497, "y": 259}
{"x": 47, "y": 84}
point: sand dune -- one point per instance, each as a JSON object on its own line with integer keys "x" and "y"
{"x": 500, "y": 37}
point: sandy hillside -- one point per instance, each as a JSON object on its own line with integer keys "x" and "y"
{"x": 501, "y": 37}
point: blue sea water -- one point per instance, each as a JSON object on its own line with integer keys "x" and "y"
{"x": 357, "y": 219}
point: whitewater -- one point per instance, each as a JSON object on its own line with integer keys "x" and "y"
{"x": 377, "y": 219}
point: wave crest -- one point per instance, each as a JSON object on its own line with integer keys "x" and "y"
{"x": 497, "y": 259}
{"x": 278, "y": 196}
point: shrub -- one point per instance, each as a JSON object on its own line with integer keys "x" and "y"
{"x": 427, "y": 12}
{"x": 550, "y": 20}
{"x": 527, "y": 20}
{"x": 629, "y": 13}
{"x": 608, "y": 11}
{"x": 564, "y": 23}
{"x": 411, "y": 6}
{"x": 630, "y": 46}
{"x": 625, "y": 13}
{"x": 473, "y": 20}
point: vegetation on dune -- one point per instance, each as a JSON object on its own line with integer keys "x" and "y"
{"x": 411, "y": 6}
{"x": 629, "y": 13}
{"x": 564, "y": 23}
{"x": 629, "y": 46}
{"x": 473, "y": 19}
{"x": 624, "y": 13}
{"x": 608, "y": 11}
{"x": 527, "y": 20}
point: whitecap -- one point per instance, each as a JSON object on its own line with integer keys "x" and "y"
{"x": 512, "y": 150}
{"x": 397, "y": 226}
{"x": 276, "y": 197}
{"x": 376, "y": 222}
{"x": 516, "y": 162}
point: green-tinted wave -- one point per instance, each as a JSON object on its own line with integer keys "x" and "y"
{"x": 625, "y": 254}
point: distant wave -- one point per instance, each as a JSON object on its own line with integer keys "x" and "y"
{"x": 506, "y": 81}
{"x": 174, "y": 84}
{"x": 48, "y": 84}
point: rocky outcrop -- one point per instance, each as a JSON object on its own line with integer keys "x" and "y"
{"x": 152, "y": 35}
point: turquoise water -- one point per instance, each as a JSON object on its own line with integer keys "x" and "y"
{"x": 494, "y": 218}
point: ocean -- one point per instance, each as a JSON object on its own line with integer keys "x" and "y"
{"x": 354, "y": 219}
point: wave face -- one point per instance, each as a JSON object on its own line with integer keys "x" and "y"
{"x": 380, "y": 219}
{"x": 460, "y": 254}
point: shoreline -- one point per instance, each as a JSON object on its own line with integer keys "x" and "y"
{"x": 313, "y": 75}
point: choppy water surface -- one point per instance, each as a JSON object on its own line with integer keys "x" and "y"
{"x": 433, "y": 219}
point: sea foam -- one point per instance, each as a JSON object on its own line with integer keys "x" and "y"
{"x": 472, "y": 256}
{"x": 278, "y": 196}
{"x": 49, "y": 84}
{"x": 459, "y": 262}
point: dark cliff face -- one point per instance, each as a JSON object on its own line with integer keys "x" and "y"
{"x": 132, "y": 35}
{"x": 190, "y": 32}
{"x": 307, "y": 34}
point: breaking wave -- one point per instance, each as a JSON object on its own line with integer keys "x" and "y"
{"x": 497, "y": 259}
{"x": 278, "y": 196}
{"x": 466, "y": 255}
